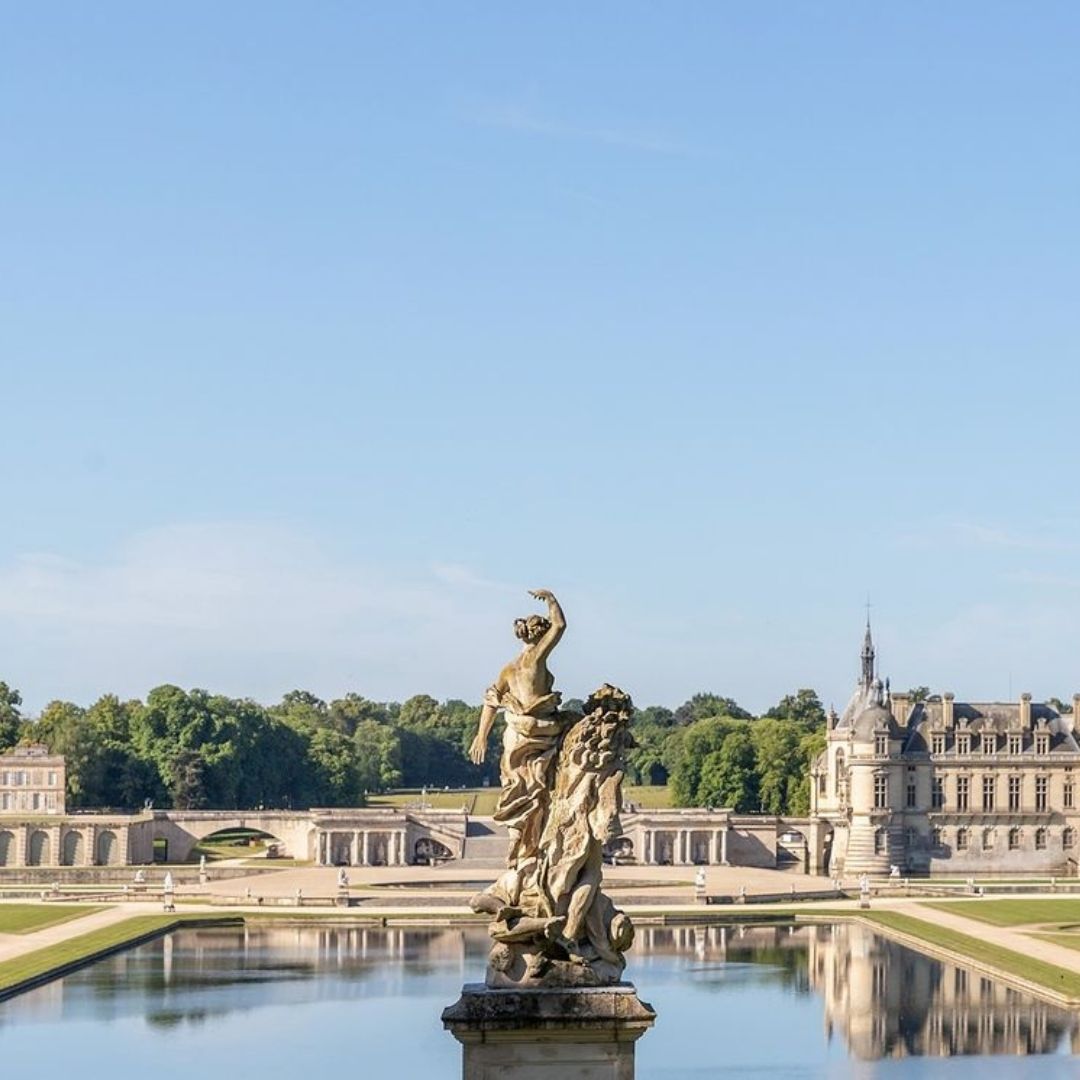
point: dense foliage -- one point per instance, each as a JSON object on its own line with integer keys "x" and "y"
{"x": 193, "y": 749}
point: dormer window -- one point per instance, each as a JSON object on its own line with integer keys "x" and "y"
{"x": 989, "y": 742}
{"x": 1042, "y": 742}
{"x": 937, "y": 743}
{"x": 963, "y": 743}
{"x": 881, "y": 743}
{"x": 1016, "y": 744}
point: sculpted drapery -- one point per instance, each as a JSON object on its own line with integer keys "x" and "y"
{"x": 561, "y": 777}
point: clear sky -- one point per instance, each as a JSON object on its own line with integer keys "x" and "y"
{"x": 326, "y": 330}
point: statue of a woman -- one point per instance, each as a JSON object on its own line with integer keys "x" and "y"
{"x": 525, "y": 692}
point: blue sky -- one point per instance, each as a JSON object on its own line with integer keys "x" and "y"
{"x": 327, "y": 330}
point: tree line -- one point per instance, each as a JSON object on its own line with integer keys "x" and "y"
{"x": 190, "y": 749}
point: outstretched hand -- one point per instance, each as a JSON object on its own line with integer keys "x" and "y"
{"x": 542, "y": 594}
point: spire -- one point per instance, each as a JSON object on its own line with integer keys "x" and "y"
{"x": 867, "y": 656}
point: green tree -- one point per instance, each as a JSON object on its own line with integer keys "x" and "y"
{"x": 777, "y": 761}
{"x": 705, "y": 705}
{"x": 918, "y": 693}
{"x": 728, "y": 776}
{"x": 686, "y": 756}
{"x": 378, "y": 756}
{"x": 10, "y": 718}
{"x": 803, "y": 707}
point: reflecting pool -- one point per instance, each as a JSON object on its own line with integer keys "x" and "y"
{"x": 749, "y": 1001}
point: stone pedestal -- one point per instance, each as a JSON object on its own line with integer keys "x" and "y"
{"x": 585, "y": 1033}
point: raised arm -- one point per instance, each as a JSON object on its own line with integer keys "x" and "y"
{"x": 555, "y": 616}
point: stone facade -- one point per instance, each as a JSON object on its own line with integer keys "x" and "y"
{"x": 942, "y": 786}
{"x": 32, "y": 782}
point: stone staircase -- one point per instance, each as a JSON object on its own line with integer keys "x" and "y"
{"x": 486, "y": 842}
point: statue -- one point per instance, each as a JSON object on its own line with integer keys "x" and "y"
{"x": 561, "y": 793}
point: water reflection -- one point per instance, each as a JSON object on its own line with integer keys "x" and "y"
{"x": 775, "y": 1000}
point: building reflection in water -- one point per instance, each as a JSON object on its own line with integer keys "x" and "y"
{"x": 886, "y": 1000}
{"x": 882, "y": 999}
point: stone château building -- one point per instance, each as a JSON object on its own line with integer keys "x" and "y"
{"x": 32, "y": 781}
{"x": 946, "y": 786}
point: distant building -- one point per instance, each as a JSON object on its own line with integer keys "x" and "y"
{"x": 32, "y": 781}
{"x": 943, "y": 786}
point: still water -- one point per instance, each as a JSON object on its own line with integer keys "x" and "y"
{"x": 300, "y": 1003}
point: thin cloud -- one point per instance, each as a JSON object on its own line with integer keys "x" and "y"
{"x": 516, "y": 118}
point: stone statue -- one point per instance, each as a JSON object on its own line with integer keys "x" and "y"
{"x": 561, "y": 792}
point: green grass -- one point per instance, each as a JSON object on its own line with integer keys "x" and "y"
{"x": 26, "y": 918}
{"x": 648, "y": 798}
{"x": 480, "y": 802}
{"x": 1015, "y": 912}
{"x": 55, "y": 959}
{"x": 1069, "y": 941}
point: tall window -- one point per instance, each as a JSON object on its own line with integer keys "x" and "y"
{"x": 912, "y": 793}
{"x": 1016, "y": 744}
{"x": 937, "y": 793}
{"x": 879, "y": 841}
{"x": 1068, "y": 837}
{"x": 963, "y": 743}
{"x": 988, "y": 839}
{"x": 963, "y": 785}
{"x": 1067, "y": 795}
{"x": 988, "y": 793}
{"x": 1014, "y": 793}
{"x": 881, "y": 792}
{"x": 961, "y": 839}
{"x": 937, "y": 743}
{"x": 1041, "y": 784}
{"x": 881, "y": 744}
{"x": 989, "y": 742}
{"x": 838, "y": 779}
{"x": 911, "y": 838}
{"x": 1014, "y": 839}
{"x": 1040, "y": 839}
{"x": 1042, "y": 742}
{"x": 935, "y": 837}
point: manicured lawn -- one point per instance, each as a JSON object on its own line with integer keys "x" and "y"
{"x": 648, "y": 798}
{"x": 1015, "y": 912}
{"x": 26, "y": 918}
{"x": 479, "y": 801}
{"x": 1069, "y": 941}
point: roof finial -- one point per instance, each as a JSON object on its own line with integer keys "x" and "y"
{"x": 867, "y": 651}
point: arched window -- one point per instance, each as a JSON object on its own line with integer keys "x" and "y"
{"x": 961, "y": 839}
{"x": 988, "y": 839}
{"x": 1014, "y": 838}
{"x": 935, "y": 837}
{"x": 879, "y": 841}
{"x": 838, "y": 779}
{"x": 1040, "y": 839}
{"x": 1068, "y": 837}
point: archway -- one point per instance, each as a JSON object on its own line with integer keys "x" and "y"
{"x": 72, "y": 848}
{"x": 427, "y": 851}
{"x": 39, "y": 849}
{"x": 107, "y": 849}
{"x": 619, "y": 851}
{"x": 236, "y": 843}
{"x": 7, "y": 848}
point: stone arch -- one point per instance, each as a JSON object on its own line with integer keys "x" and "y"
{"x": 7, "y": 848}
{"x": 73, "y": 848}
{"x": 106, "y": 849}
{"x": 37, "y": 852}
{"x": 619, "y": 850}
{"x": 428, "y": 850}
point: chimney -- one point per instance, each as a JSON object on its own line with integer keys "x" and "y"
{"x": 947, "y": 709}
{"x": 900, "y": 707}
{"x": 1025, "y": 711}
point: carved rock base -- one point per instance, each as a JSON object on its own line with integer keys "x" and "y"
{"x": 513, "y": 967}
{"x": 564, "y": 1034}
